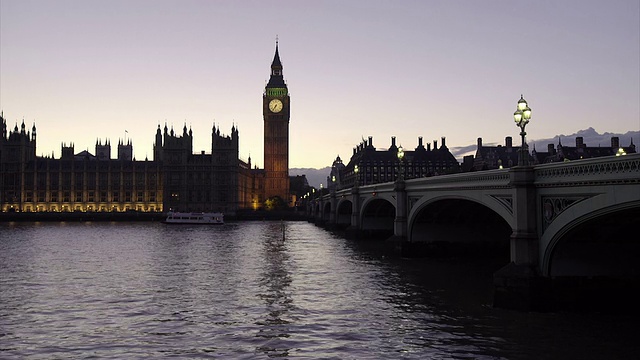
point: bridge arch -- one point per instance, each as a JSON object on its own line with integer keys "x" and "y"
{"x": 584, "y": 242}
{"x": 377, "y": 217}
{"x": 488, "y": 201}
{"x": 344, "y": 209}
{"x": 326, "y": 210}
{"x": 459, "y": 223}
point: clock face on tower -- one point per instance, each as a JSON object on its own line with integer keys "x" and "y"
{"x": 275, "y": 105}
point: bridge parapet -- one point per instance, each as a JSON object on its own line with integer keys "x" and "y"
{"x": 597, "y": 171}
{"x": 489, "y": 179}
{"x": 376, "y": 188}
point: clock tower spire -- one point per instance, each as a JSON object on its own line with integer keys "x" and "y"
{"x": 275, "y": 111}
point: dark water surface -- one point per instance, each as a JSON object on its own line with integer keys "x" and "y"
{"x": 147, "y": 290}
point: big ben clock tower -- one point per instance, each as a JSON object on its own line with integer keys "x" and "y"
{"x": 275, "y": 110}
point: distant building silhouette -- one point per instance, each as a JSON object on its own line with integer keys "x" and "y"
{"x": 495, "y": 157}
{"x": 506, "y": 156}
{"x": 580, "y": 151}
{"x": 379, "y": 166}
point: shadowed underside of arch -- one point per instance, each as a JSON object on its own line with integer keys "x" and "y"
{"x": 344, "y": 211}
{"x": 326, "y": 210}
{"x": 594, "y": 265}
{"x": 604, "y": 246}
{"x": 378, "y": 216}
{"x": 460, "y": 226}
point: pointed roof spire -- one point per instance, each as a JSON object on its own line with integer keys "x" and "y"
{"x": 276, "y": 58}
{"x": 276, "y": 80}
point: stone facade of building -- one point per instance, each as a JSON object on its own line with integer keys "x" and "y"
{"x": 175, "y": 179}
{"x": 74, "y": 182}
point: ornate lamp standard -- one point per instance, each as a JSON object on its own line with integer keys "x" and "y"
{"x": 355, "y": 171}
{"x": 354, "y": 229}
{"x": 522, "y": 117}
{"x": 401, "y": 169}
{"x": 399, "y": 187}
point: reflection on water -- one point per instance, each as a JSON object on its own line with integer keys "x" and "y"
{"x": 274, "y": 291}
{"x": 147, "y": 290}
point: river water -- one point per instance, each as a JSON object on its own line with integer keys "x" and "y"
{"x": 239, "y": 291}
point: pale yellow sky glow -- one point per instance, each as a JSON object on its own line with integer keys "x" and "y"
{"x": 89, "y": 70}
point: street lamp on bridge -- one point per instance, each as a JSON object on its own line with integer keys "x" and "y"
{"x": 522, "y": 117}
{"x": 400, "y": 168}
{"x": 355, "y": 171}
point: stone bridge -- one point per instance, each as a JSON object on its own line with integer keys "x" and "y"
{"x": 571, "y": 219}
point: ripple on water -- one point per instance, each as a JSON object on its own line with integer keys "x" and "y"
{"x": 146, "y": 290}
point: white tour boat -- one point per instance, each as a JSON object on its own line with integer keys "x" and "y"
{"x": 194, "y": 218}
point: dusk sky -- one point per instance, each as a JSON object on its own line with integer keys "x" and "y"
{"x": 88, "y": 70}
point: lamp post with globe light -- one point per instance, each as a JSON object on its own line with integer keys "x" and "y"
{"x": 522, "y": 116}
{"x": 353, "y": 230}
{"x": 355, "y": 171}
{"x": 399, "y": 187}
{"x": 400, "y": 168}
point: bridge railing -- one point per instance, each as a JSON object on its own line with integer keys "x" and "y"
{"x": 596, "y": 171}
{"x": 498, "y": 178}
{"x": 364, "y": 189}
{"x": 488, "y": 179}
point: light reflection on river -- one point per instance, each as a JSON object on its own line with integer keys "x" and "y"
{"x": 147, "y": 290}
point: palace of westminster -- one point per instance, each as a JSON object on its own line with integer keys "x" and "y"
{"x": 177, "y": 179}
